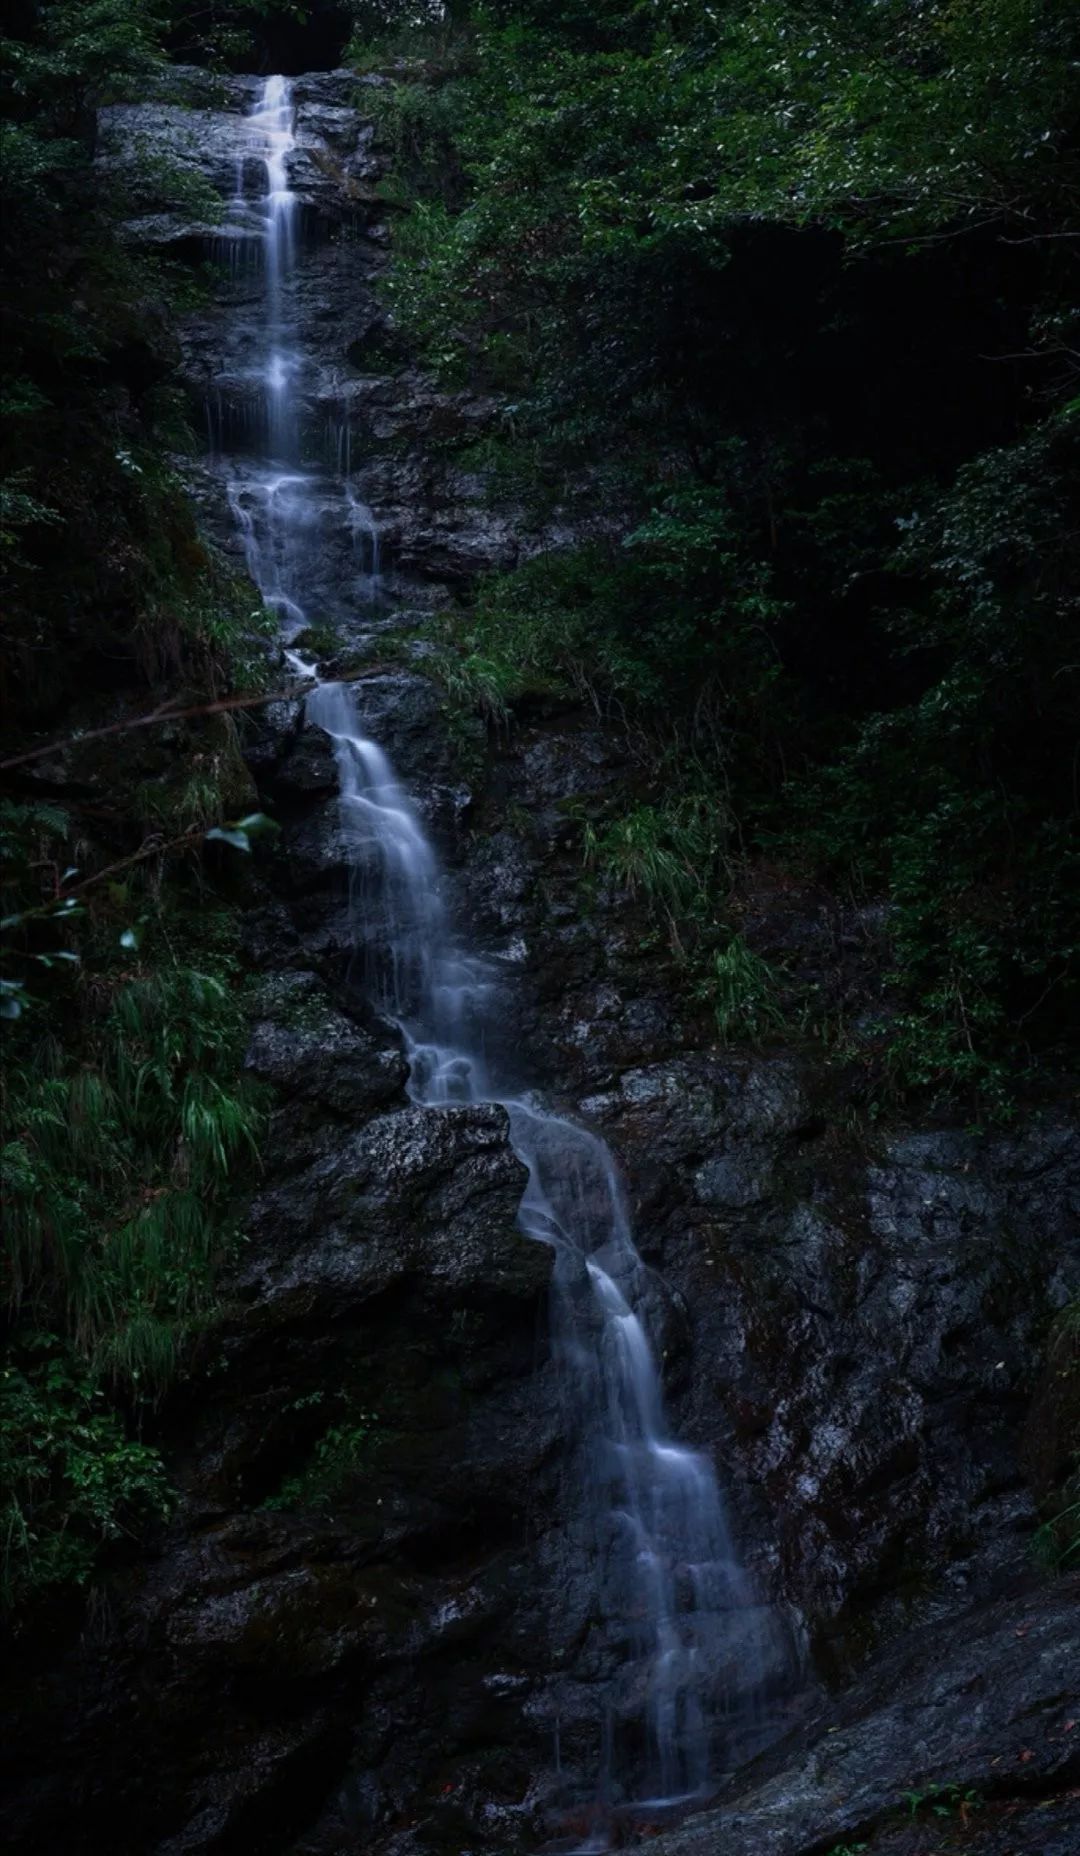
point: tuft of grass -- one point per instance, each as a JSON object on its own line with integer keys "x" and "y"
{"x": 671, "y": 854}
{"x": 675, "y": 856}
{"x": 126, "y": 1132}
{"x": 741, "y": 988}
{"x": 478, "y": 685}
{"x": 1057, "y": 1541}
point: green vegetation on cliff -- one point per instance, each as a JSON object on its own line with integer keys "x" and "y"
{"x": 781, "y": 300}
{"x": 127, "y": 1122}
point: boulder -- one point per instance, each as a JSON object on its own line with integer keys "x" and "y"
{"x": 959, "y": 1717}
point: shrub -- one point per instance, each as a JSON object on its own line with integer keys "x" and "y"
{"x": 331, "y": 1467}
{"x": 72, "y": 1480}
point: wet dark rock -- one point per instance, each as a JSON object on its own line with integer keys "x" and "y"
{"x": 145, "y": 145}
{"x": 405, "y": 714}
{"x": 852, "y": 1325}
{"x": 270, "y": 734}
{"x": 317, "y": 850}
{"x": 1013, "y": 1827}
{"x": 863, "y": 1331}
{"x": 269, "y": 937}
{"x": 411, "y": 1192}
{"x": 988, "y": 1705}
{"x": 316, "y": 1058}
{"x": 190, "y": 131}
{"x": 557, "y": 767}
{"x": 308, "y": 769}
{"x": 383, "y": 1288}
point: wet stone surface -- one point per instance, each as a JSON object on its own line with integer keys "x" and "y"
{"x": 978, "y": 1718}
{"x": 370, "y": 1622}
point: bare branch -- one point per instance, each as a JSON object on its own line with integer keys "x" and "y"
{"x": 166, "y": 714}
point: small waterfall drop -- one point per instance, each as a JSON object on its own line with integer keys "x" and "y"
{"x": 278, "y": 493}
{"x": 692, "y": 1648}
{"x": 271, "y": 123}
{"x": 670, "y": 1586}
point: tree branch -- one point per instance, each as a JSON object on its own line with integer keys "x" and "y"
{"x": 166, "y": 714}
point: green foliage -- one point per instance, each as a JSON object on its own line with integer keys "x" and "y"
{"x": 127, "y": 1131}
{"x": 241, "y": 833}
{"x": 332, "y": 1466}
{"x": 948, "y": 1800}
{"x": 742, "y": 990}
{"x": 672, "y": 854}
{"x": 950, "y": 800}
{"x": 632, "y": 625}
{"x": 883, "y": 119}
{"x": 72, "y": 1480}
{"x": 416, "y": 124}
{"x": 241, "y": 34}
{"x": 749, "y": 282}
{"x": 546, "y": 627}
{"x": 602, "y": 152}
{"x": 117, "y": 1165}
{"x": 19, "y": 510}
{"x": 75, "y": 48}
{"x": 28, "y": 827}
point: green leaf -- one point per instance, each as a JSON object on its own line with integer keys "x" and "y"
{"x": 257, "y": 825}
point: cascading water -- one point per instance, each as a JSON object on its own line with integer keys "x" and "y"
{"x": 669, "y": 1583}
{"x": 279, "y": 496}
{"x": 690, "y": 1644}
{"x": 272, "y": 123}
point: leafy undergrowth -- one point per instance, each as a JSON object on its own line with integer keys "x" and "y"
{"x": 74, "y": 1479}
{"x": 334, "y": 1462}
{"x": 129, "y": 1129}
{"x": 805, "y": 387}
{"x": 950, "y": 1819}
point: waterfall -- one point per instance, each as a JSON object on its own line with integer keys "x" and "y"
{"x": 676, "y": 1609}
{"x": 276, "y": 493}
{"x": 669, "y": 1582}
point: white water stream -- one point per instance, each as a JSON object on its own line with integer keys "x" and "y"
{"x": 278, "y": 496}
{"x": 668, "y": 1586}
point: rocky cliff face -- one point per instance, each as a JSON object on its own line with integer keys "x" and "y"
{"x": 370, "y": 1624}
